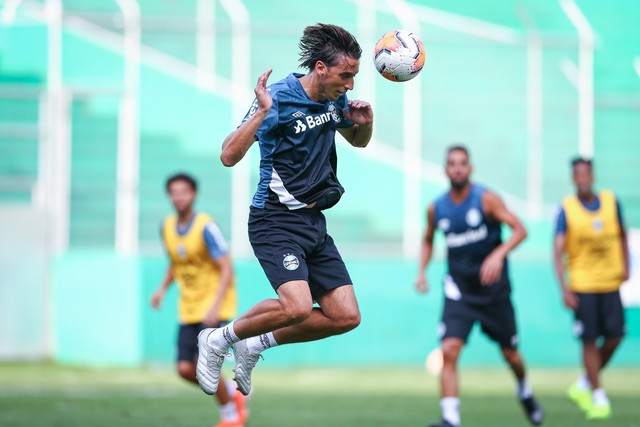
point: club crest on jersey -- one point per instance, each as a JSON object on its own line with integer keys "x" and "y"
{"x": 334, "y": 113}
{"x": 182, "y": 251}
{"x": 473, "y": 217}
{"x": 290, "y": 262}
{"x": 597, "y": 224}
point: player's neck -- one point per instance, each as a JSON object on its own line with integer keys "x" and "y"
{"x": 587, "y": 196}
{"x": 460, "y": 194}
{"x": 185, "y": 217}
{"x": 310, "y": 85}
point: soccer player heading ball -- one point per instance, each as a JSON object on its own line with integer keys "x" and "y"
{"x": 294, "y": 121}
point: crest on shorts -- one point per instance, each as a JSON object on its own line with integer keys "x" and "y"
{"x": 441, "y": 329}
{"x": 578, "y": 328}
{"x": 444, "y": 224}
{"x": 290, "y": 262}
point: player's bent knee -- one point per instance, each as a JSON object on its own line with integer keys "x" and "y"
{"x": 512, "y": 356}
{"x": 347, "y": 322}
{"x": 186, "y": 370}
{"x": 297, "y": 313}
{"x": 450, "y": 351}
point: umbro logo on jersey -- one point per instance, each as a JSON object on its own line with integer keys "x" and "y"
{"x": 298, "y": 114}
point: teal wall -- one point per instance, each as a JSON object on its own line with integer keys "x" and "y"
{"x": 102, "y": 316}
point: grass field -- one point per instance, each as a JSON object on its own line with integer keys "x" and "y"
{"x": 49, "y": 395}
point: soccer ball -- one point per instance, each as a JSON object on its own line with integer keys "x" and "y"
{"x": 399, "y": 55}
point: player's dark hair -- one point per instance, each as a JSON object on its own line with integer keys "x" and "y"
{"x": 458, "y": 147}
{"x": 182, "y": 177}
{"x": 581, "y": 160}
{"x": 326, "y": 43}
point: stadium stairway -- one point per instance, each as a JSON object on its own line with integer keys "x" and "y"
{"x": 18, "y": 139}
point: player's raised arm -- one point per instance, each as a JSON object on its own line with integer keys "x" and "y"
{"x": 236, "y": 145}
{"x": 426, "y": 251}
{"x": 361, "y": 115}
{"x": 492, "y": 266}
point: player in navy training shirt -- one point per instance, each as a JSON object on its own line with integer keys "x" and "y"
{"x": 476, "y": 287}
{"x": 295, "y": 121}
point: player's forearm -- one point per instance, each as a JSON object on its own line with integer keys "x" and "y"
{"x": 518, "y": 235}
{"x": 362, "y": 135}
{"x": 168, "y": 279}
{"x": 559, "y": 270}
{"x": 625, "y": 252}
{"x": 236, "y": 145}
{"x": 425, "y": 257}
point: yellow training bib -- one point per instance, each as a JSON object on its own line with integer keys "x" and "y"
{"x": 595, "y": 260}
{"x": 197, "y": 275}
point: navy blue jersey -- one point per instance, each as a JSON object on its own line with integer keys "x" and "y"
{"x": 298, "y": 162}
{"x": 471, "y": 236}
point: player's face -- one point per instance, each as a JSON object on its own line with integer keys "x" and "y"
{"x": 337, "y": 79}
{"x": 182, "y": 196}
{"x": 458, "y": 168}
{"x": 583, "y": 178}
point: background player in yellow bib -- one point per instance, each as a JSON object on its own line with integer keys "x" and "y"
{"x": 201, "y": 265}
{"x": 591, "y": 259}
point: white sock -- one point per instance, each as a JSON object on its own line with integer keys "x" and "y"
{"x": 228, "y": 411}
{"x": 450, "y": 410}
{"x": 523, "y": 390}
{"x": 224, "y": 337}
{"x": 583, "y": 383}
{"x": 599, "y": 397}
{"x": 261, "y": 342}
{"x": 231, "y": 388}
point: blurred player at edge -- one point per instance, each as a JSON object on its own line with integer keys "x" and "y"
{"x": 591, "y": 233}
{"x": 201, "y": 264}
{"x": 295, "y": 121}
{"x": 477, "y": 286}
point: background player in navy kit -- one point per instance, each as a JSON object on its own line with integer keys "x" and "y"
{"x": 477, "y": 287}
{"x": 295, "y": 121}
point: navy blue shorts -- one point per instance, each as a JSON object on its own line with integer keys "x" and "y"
{"x": 188, "y": 340}
{"x": 599, "y": 315}
{"x": 294, "y": 245}
{"x": 497, "y": 320}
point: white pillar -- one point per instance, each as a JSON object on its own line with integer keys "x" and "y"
{"x": 58, "y": 133}
{"x": 534, "y": 126}
{"x": 205, "y": 42}
{"x": 128, "y": 169}
{"x": 585, "y": 76}
{"x": 241, "y": 172}
{"x": 412, "y": 142}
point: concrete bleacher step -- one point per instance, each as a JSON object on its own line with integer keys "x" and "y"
{"x": 19, "y": 115}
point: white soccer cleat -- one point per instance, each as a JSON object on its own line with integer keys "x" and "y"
{"x": 245, "y": 362}
{"x": 210, "y": 361}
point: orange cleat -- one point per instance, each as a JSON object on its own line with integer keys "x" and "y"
{"x": 235, "y": 423}
{"x": 241, "y": 406}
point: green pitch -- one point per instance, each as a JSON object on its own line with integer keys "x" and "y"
{"x": 48, "y": 395}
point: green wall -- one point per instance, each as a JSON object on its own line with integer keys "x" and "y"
{"x": 101, "y": 316}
